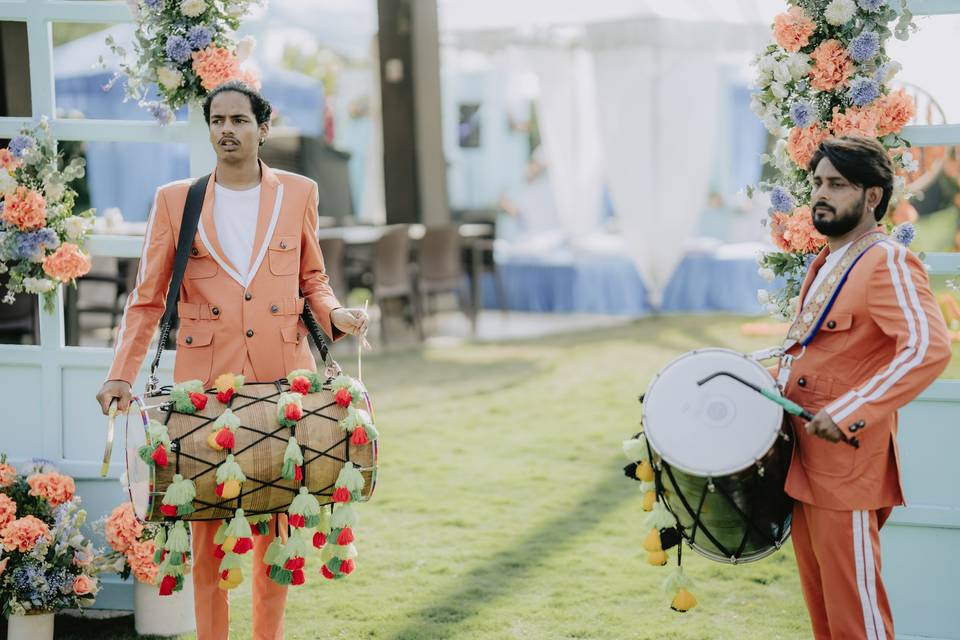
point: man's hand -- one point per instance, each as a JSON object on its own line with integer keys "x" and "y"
{"x": 351, "y": 321}
{"x": 824, "y": 427}
{"x": 115, "y": 389}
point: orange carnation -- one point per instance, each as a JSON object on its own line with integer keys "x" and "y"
{"x": 8, "y": 475}
{"x": 122, "y": 528}
{"x": 8, "y": 161}
{"x": 894, "y": 111}
{"x": 795, "y": 232}
{"x": 140, "y": 558}
{"x": 22, "y": 535}
{"x": 66, "y": 263}
{"x": 53, "y": 487}
{"x": 832, "y": 66}
{"x": 25, "y": 209}
{"x": 854, "y": 121}
{"x": 215, "y": 65}
{"x": 8, "y": 510}
{"x": 792, "y": 30}
{"x": 802, "y": 143}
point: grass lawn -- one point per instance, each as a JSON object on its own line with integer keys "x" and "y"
{"x": 502, "y": 510}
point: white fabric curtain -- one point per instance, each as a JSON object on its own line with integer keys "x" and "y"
{"x": 657, "y": 121}
{"x": 567, "y": 117}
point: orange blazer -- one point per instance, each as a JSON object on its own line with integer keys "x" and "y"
{"x": 880, "y": 345}
{"x": 226, "y": 318}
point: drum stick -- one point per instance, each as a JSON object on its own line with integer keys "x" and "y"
{"x": 361, "y": 343}
{"x": 785, "y": 403}
{"x": 108, "y": 449}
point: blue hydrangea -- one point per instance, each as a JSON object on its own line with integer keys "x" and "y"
{"x": 872, "y": 5}
{"x": 161, "y": 112}
{"x": 865, "y": 46}
{"x": 152, "y": 4}
{"x": 803, "y": 113}
{"x": 199, "y": 37}
{"x": 781, "y": 200}
{"x": 19, "y": 145}
{"x": 904, "y": 233}
{"x": 863, "y": 91}
{"x": 178, "y": 49}
{"x": 31, "y": 245}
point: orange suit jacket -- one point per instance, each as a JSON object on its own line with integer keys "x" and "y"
{"x": 881, "y": 344}
{"x": 226, "y": 318}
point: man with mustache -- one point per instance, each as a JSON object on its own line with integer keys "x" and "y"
{"x": 867, "y": 340}
{"x": 254, "y": 260}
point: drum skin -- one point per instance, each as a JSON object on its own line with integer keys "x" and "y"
{"x": 324, "y": 444}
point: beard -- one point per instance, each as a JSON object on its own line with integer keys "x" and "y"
{"x": 841, "y": 223}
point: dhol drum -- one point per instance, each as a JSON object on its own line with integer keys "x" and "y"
{"x": 721, "y": 454}
{"x": 325, "y": 447}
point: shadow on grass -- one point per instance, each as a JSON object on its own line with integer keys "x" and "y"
{"x": 74, "y": 628}
{"x": 497, "y": 575}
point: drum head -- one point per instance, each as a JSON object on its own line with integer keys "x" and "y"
{"x": 139, "y": 475}
{"x": 716, "y": 429}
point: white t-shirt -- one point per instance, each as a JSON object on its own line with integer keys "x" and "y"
{"x": 235, "y": 216}
{"x": 832, "y": 259}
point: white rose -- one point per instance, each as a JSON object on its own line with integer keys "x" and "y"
{"x": 781, "y": 156}
{"x": 772, "y": 123}
{"x": 54, "y": 191}
{"x": 38, "y": 285}
{"x": 7, "y": 183}
{"x": 840, "y": 12}
{"x": 193, "y": 8}
{"x": 758, "y": 107}
{"x": 169, "y": 78}
{"x": 763, "y": 297}
{"x": 779, "y": 90}
{"x": 799, "y": 64}
{"x": 782, "y": 72}
{"x": 77, "y": 226}
{"x": 245, "y": 47}
{"x": 767, "y": 274}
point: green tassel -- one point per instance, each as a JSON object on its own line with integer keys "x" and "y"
{"x": 678, "y": 579}
{"x": 221, "y": 535}
{"x": 180, "y": 494}
{"x": 306, "y": 505}
{"x": 336, "y": 551}
{"x": 344, "y": 516}
{"x": 660, "y": 518}
{"x": 636, "y": 450}
{"x": 159, "y": 541}
{"x": 283, "y": 577}
{"x": 274, "y": 553}
{"x": 315, "y": 382}
{"x": 230, "y": 470}
{"x": 239, "y": 527}
{"x": 181, "y": 395}
{"x": 285, "y": 399}
{"x": 292, "y": 458}
{"x": 227, "y": 419}
{"x": 351, "y": 478}
{"x": 157, "y": 433}
{"x": 297, "y": 545}
{"x": 178, "y": 542}
{"x": 230, "y": 561}
{"x": 323, "y": 521}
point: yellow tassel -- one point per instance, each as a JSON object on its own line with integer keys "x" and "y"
{"x": 231, "y": 489}
{"x": 234, "y": 578}
{"x": 644, "y": 472}
{"x": 683, "y": 601}
{"x": 649, "y": 498}
{"x": 212, "y": 442}
{"x": 652, "y": 542}
{"x": 657, "y": 558}
{"x": 229, "y": 544}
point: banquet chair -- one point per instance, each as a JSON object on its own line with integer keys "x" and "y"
{"x": 392, "y": 277}
{"x": 439, "y": 267}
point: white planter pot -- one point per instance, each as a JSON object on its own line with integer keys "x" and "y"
{"x": 34, "y": 627}
{"x": 163, "y": 615}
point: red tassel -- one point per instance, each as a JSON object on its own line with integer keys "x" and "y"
{"x": 326, "y": 573}
{"x": 298, "y": 578}
{"x": 199, "y": 400}
{"x": 296, "y": 520}
{"x": 225, "y": 396}
{"x": 319, "y": 539}
{"x": 224, "y": 575}
{"x": 343, "y": 398}
{"x": 225, "y": 438}
{"x": 359, "y": 436}
{"x": 293, "y": 564}
{"x": 163, "y": 555}
{"x": 345, "y": 537}
{"x": 347, "y": 566}
{"x": 219, "y": 553}
{"x": 293, "y": 412}
{"x": 301, "y": 385}
{"x": 160, "y": 456}
{"x": 243, "y": 545}
{"x": 169, "y": 510}
{"x": 341, "y": 494}
{"x": 298, "y": 474}
{"x": 267, "y": 570}
{"x": 219, "y": 490}
{"x": 167, "y": 585}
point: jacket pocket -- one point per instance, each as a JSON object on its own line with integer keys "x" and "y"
{"x": 295, "y": 352}
{"x": 194, "y": 357}
{"x": 284, "y": 255}
{"x": 834, "y": 333}
{"x": 200, "y": 263}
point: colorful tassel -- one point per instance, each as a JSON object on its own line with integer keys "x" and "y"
{"x": 679, "y": 584}
{"x": 359, "y": 425}
{"x": 649, "y": 495}
{"x": 349, "y": 484}
{"x": 635, "y": 449}
{"x": 348, "y": 391}
{"x": 304, "y": 511}
{"x": 323, "y": 528}
{"x": 239, "y": 537}
{"x": 189, "y": 397}
{"x": 223, "y": 432}
{"x": 159, "y": 541}
{"x": 292, "y": 461}
{"x": 338, "y": 561}
{"x": 175, "y": 559}
{"x": 158, "y": 446}
{"x": 304, "y": 381}
{"x": 289, "y": 409}
{"x": 231, "y": 573}
{"x": 644, "y": 472}
{"x": 178, "y": 498}
{"x": 227, "y": 385}
{"x": 260, "y": 523}
{"x": 230, "y": 479}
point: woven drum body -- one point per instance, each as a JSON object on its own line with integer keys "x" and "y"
{"x": 259, "y": 450}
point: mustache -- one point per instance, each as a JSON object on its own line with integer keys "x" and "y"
{"x": 823, "y": 205}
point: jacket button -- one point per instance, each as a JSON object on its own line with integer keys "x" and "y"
{"x": 831, "y": 325}
{"x": 189, "y": 340}
{"x": 283, "y": 245}
{"x": 274, "y": 309}
{"x": 215, "y": 311}
{"x": 802, "y": 382}
{"x": 194, "y": 252}
{"x": 249, "y": 333}
{"x": 247, "y": 296}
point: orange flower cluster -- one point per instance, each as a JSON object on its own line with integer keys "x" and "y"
{"x": 792, "y": 30}
{"x": 53, "y": 487}
{"x": 894, "y": 111}
{"x": 140, "y": 558}
{"x": 8, "y": 161}
{"x": 66, "y": 263}
{"x": 215, "y": 65}
{"x": 802, "y": 143}
{"x": 122, "y": 528}
{"x": 22, "y": 535}
{"x": 794, "y": 232}
{"x": 25, "y": 209}
{"x": 832, "y": 67}
{"x": 8, "y": 511}
{"x": 855, "y": 121}
{"x": 8, "y": 475}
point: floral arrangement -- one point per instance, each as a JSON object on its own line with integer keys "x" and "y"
{"x": 41, "y": 240}
{"x": 46, "y": 563}
{"x": 185, "y": 48}
{"x": 131, "y": 543}
{"x": 825, "y": 74}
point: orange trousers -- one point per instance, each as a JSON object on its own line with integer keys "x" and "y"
{"x": 838, "y": 554}
{"x": 212, "y": 605}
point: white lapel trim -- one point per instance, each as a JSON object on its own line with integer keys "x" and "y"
{"x": 278, "y": 201}
{"x": 223, "y": 265}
